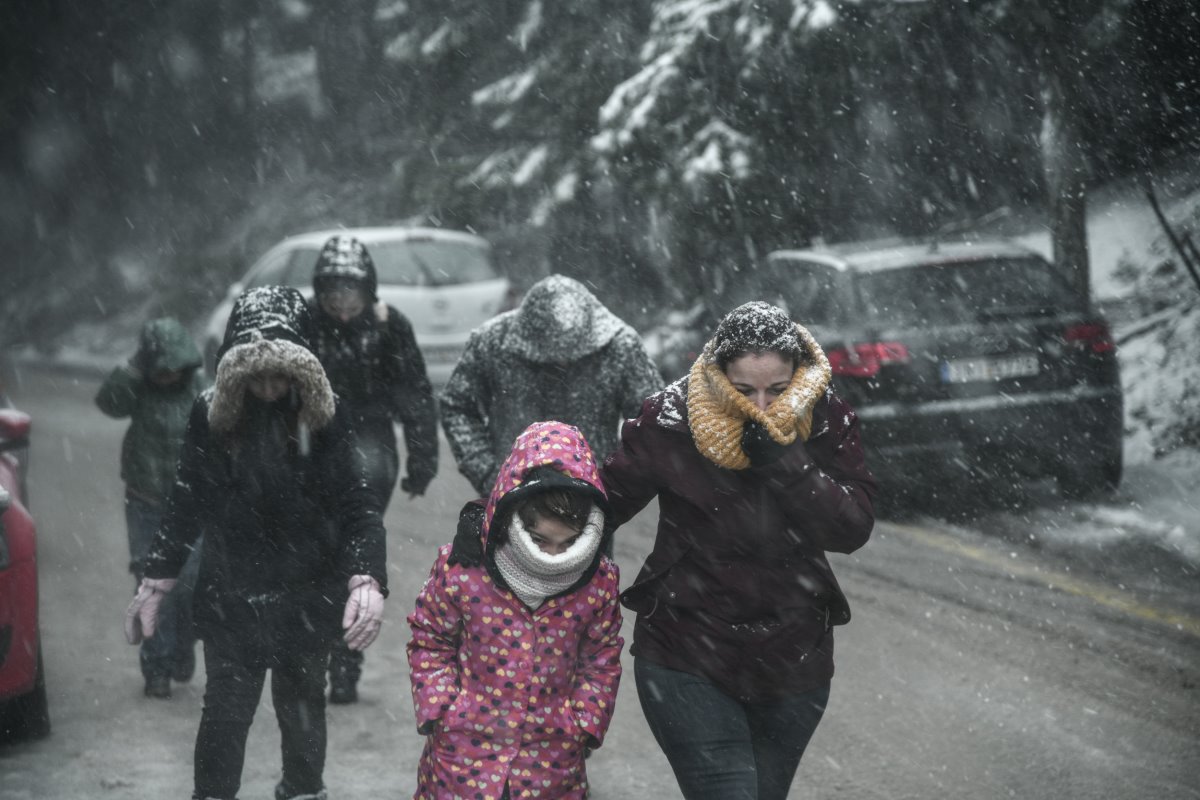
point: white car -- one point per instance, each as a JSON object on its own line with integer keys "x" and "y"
{"x": 443, "y": 281}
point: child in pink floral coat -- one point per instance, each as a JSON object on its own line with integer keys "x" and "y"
{"x": 516, "y": 645}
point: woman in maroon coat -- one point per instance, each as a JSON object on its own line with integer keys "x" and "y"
{"x": 759, "y": 471}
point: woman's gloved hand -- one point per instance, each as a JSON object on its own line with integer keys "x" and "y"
{"x": 758, "y": 445}
{"x": 364, "y": 612}
{"x": 141, "y": 618}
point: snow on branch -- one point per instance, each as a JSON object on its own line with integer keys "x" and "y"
{"x": 508, "y": 90}
{"x": 717, "y": 149}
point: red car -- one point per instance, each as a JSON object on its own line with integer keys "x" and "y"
{"x": 23, "y": 707}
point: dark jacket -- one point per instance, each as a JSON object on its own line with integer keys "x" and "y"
{"x": 157, "y": 414}
{"x": 378, "y": 372}
{"x": 562, "y": 355}
{"x": 276, "y": 489}
{"x": 737, "y": 587}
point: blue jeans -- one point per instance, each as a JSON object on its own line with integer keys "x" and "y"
{"x": 719, "y": 747}
{"x": 174, "y": 641}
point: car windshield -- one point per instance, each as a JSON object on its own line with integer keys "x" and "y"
{"x": 962, "y": 292}
{"x": 430, "y": 262}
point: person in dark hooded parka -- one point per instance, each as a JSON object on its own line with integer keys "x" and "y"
{"x": 293, "y": 545}
{"x": 155, "y": 391}
{"x": 370, "y": 354}
{"x": 560, "y": 355}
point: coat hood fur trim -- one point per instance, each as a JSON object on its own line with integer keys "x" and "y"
{"x": 717, "y": 412}
{"x": 259, "y": 355}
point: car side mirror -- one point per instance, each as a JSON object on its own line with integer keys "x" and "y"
{"x": 14, "y": 429}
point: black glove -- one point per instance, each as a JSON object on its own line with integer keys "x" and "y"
{"x": 415, "y": 484}
{"x": 759, "y": 447}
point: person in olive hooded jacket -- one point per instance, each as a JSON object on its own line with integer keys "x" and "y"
{"x": 155, "y": 391}
{"x": 293, "y": 546}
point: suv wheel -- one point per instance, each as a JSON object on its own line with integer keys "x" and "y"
{"x": 1092, "y": 479}
{"x": 27, "y": 716}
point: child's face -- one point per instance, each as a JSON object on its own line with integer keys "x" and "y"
{"x": 552, "y": 535}
{"x": 269, "y": 387}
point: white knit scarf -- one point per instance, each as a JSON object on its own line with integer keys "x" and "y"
{"x": 534, "y": 575}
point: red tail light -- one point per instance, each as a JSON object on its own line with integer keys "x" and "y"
{"x": 512, "y": 299}
{"x": 1093, "y": 336}
{"x": 865, "y": 360}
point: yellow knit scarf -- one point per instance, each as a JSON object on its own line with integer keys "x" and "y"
{"x": 717, "y": 412}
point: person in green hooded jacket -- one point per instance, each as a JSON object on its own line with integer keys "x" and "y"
{"x": 155, "y": 391}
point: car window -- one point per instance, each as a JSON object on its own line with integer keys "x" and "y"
{"x": 272, "y": 269}
{"x": 961, "y": 292}
{"x": 810, "y": 293}
{"x": 300, "y": 266}
{"x": 292, "y": 266}
{"x": 429, "y": 262}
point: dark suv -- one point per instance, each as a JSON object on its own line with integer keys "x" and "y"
{"x": 976, "y": 356}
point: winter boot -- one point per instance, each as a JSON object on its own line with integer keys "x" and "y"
{"x": 342, "y": 690}
{"x": 158, "y": 686}
{"x": 283, "y": 792}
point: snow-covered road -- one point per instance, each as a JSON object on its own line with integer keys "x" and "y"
{"x": 992, "y": 657}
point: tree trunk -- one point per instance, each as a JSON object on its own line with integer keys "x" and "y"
{"x": 1065, "y": 169}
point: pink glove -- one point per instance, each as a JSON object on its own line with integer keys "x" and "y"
{"x": 141, "y": 618}
{"x": 364, "y": 612}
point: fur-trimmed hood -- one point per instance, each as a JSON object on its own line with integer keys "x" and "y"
{"x": 270, "y": 331}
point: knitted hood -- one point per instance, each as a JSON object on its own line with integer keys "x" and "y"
{"x": 165, "y": 345}
{"x": 269, "y": 330}
{"x": 556, "y": 445}
{"x": 345, "y": 260}
{"x": 560, "y": 321}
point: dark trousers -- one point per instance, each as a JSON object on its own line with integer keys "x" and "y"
{"x": 173, "y": 643}
{"x": 236, "y": 670}
{"x": 382, "y": 464}
{"x": 719, "y": 747}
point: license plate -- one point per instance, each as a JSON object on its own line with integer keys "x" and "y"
{"x": 442, "y": 353}
{"x": 989, "y": 368}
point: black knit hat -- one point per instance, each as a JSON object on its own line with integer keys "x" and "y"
{"x": 756, "y": 327}
{"x": 344, "y": 261}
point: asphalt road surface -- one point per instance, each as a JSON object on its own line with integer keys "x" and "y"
{"x": 977, "y": 664}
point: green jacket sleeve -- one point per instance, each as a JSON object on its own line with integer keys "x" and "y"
{"x": 118, "y": 395}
